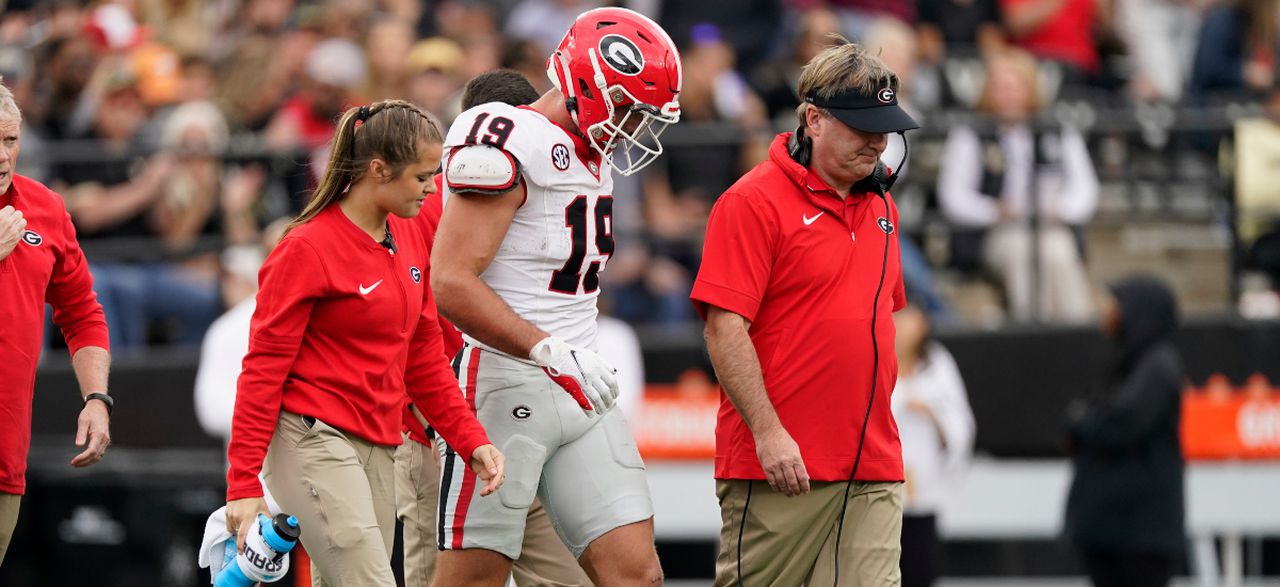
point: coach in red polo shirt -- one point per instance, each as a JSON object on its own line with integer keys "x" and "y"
{"x": 800, "y": 275}
{"x": 40, "y": 262}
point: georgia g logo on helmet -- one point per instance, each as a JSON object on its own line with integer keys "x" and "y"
{"x": 621, "y": 54}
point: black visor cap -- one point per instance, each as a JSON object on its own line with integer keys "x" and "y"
{"x": 875, "y": 113}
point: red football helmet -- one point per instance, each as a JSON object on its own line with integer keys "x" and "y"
{"x": 620, "y": 75}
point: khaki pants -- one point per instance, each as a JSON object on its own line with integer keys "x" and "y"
{"x": 544, "y": 559}
{"x": 9, "y": 504}
{"x": 791, "y": 541}
{"x": 342, "y": 490}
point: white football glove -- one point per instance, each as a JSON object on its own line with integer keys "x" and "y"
{"x": 589, "y": 380}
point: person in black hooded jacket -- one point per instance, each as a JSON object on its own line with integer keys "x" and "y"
{"x": 1125, "y": 509}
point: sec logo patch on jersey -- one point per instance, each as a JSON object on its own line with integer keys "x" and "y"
{"x": 560, "y": 157}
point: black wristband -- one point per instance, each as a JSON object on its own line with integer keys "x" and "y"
{"x": 102, "y": 397}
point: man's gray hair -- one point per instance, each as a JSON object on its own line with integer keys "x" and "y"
{"x": 7, "y": 104}
{"x": 842, "y": 66}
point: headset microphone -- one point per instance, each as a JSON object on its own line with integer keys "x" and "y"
{"x": 389, "y": 242}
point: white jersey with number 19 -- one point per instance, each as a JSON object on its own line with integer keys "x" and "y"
{"x": 547, "y": 268}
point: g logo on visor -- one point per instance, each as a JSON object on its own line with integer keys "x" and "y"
{"x": 885, "y": 95}
{"x": 621, "y": 54}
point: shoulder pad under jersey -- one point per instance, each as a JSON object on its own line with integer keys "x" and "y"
{"x": 481, "y": 169}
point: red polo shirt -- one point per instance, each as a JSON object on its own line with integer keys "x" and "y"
{"x": 46, "y": 266}
{"x": 784, "y": 251}
{"x": 342, "y": 331}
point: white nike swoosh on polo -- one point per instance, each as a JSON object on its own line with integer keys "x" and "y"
{"x": 808, "y": 221}
{"x": 364, "y": 291}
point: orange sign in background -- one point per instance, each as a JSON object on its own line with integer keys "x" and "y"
{"x": 1223, "y": 422}
{"x": 677, "y": 422}
{"x": 1219, "y": 420}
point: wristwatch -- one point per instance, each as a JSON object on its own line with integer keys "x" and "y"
{"x": 104, "y": 398}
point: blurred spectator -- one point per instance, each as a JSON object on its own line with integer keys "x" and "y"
{"x": 1060, "y": 31}
{"x": 1161, "y": 39}
{"x": 261, "y": 60}
{"x": 345, "y": 19}
{"x": 776, "y": 80}
{"x": 1125, "y": 509}
{"x": 544, "y": 21}
{"x": 857, "y": 16}
{"x": 389, "y": 42}
{"x": 1257, "y": 199}
{"x": 1237, "y": 50}
{"x": 172, "y": 196}
{"x": 936, "y": 426}
{"x": 480, "y": 53}
{"x": 530, "y": 59}
{"x": 750, "y": 27}
{"x": 993, "y": 185}
{"x": 159, "y": 71}
{"x": 199, "y": 80}
{"x": 961, "y": 28}
{"x": 335, "y": 70}
{"x": 71, "y": 63}
{"x": 457, "y": 20}
{"x": 435, "y": 74}
{"x": 112, "y": 26}
{"x": 196, "y": 135}
{"x": 184, "y": 25}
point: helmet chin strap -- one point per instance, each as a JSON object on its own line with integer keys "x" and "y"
{"x": 565, "y": 84}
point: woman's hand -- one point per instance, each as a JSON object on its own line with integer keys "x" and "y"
{"x": 240, "y": 515}
{"x": 488, "y": 465}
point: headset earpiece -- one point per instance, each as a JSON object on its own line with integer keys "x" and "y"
{"x": 800, "y": 147}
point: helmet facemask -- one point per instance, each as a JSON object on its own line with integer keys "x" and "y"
{"x": 632, "y": 142}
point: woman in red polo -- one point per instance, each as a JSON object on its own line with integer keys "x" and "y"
{"x": 345, "y": 326}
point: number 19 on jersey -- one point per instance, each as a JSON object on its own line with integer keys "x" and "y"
{"x": 567, "y": 279}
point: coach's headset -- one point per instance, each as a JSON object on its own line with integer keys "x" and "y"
{"x": 875, "y": 113}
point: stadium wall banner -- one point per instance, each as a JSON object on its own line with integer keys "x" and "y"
{"x": 1220, "y": 421}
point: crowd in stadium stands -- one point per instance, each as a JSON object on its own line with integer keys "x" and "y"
{"x": 178, "y": 129}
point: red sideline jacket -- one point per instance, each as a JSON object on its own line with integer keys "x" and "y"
{"x": 784, "y": 251}
{"x": 429, "y": 219}
{"x": 47, "y": 265}
{"x": 342, "y": 330}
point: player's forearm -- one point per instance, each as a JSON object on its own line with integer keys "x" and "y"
{"x": 92, "y": 365}
{"x": 475, "y": 309}
{"x": 737, "y": 367}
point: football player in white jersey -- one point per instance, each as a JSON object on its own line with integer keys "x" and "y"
{"x": 527, "y": 227}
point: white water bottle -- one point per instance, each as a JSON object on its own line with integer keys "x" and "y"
{"x": 266, "y": 553}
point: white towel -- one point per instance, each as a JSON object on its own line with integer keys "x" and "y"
{"x": 212, "y": 546}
